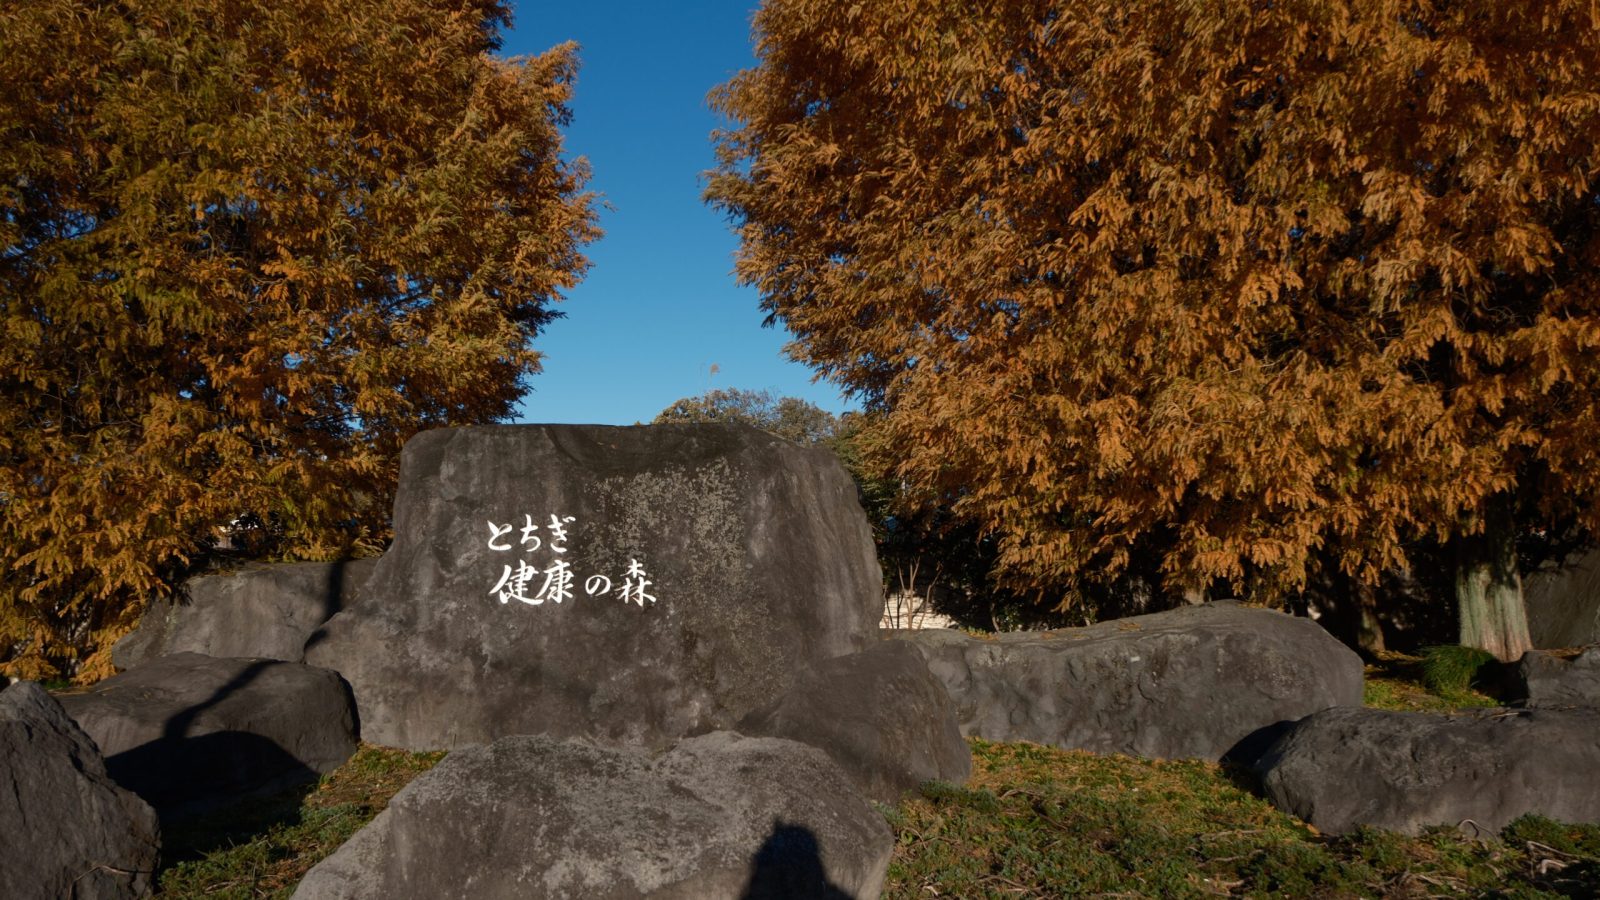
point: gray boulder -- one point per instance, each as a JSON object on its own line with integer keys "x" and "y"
{"x": 718, "y": 816}
{"x": 1191, "y": 682}
{"x": 633, "y": 585}
{"x": 1405, "y": 771}
{"x": 189, "y": 732}
{"x": 1548, "y": 680}
{"x": 880, "y": 714}
{"x": 66, "y": 829}
{"x": 264, "y": 611}
{"x": 1563, "y": 602}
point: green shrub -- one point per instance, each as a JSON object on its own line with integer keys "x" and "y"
{"x": 1450, "y": 670}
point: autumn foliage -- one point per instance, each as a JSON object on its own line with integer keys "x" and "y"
{"x": 790, "y": 418}
{"x": 1255, "y": 290}
{"x": 249, "y": 248}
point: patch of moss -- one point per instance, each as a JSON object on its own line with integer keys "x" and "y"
{"x": 1041, "y": 822}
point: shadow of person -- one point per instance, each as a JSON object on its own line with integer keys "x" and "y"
{"x": 789, "y": 866}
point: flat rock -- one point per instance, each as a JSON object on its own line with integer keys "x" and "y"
{"x": 1563, "y": 602}
{"x": 265, "y": 611}
{"x": 189, "y": 732}
{"x": 633, "y": 585}
{"x": 1194, "y": 682}
{"x": 880, "y": 714}
{"x": 1405, "y": 771}
{"x": 1547, "y": 680}
{"x": 718, "y": 816}
{"x": 66, "y": 829}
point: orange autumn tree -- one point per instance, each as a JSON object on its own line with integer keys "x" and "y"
{"x": 248, "y": 249}
{"x": 1258, "y": 290}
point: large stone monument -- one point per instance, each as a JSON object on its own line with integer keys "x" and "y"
{"x": 630, "y": 585}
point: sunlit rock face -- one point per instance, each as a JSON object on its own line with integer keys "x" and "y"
{"x": 260, "y": 610}
{"x": 1197, "y": 682}
{"x": 631, "y": 585}
{"x": 880, "y": 714}
{"x": 720, "y": 815}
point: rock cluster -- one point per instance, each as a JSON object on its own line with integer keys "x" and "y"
{"x": 189, "y": 732}
{"x": 1192, "y": 682}
{"x": 653, "y": 655}
{"x": 575, "y": 612}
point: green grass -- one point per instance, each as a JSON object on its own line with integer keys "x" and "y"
{"x": 1400, "y": 682}
{"x": 1033, "y": 822}
{"x": 1452, "y": 669}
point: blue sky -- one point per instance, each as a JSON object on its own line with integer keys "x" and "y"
{"x": 659, "y": 316}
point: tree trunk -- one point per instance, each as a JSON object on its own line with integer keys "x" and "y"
{"x": 1369, "y": 628}
{"x": 1488, "y": 586}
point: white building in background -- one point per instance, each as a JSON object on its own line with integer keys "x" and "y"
{"x": 905, "y": 609}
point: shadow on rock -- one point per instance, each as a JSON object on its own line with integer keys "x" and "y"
{"x": 190, "y": 733}
{"x": 178, "y": 725}
{"x": 196, "y": 834}
{"x": 789, "y": 865}
{"x": 1240, "y": 764}
{"x": 184, "y": 776}
{"x": 333, "y": 603}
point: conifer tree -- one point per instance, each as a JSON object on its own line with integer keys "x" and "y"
{"x": 248, "y": 249}
{"x": 1243, "y": 288}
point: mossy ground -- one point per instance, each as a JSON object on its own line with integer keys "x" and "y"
{"x": 1040, "y": 822}
{"x": 1033, "y": 822}
{"x": 1399, "y": 681}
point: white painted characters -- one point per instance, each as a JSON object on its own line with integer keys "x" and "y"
{"x": 559, "y": 576}
{"x": 633, "y": 586}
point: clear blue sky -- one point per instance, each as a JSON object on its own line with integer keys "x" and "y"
{"x": 659, "y": 308}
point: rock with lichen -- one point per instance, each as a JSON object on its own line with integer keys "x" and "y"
{"x": 629, "y": 585}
